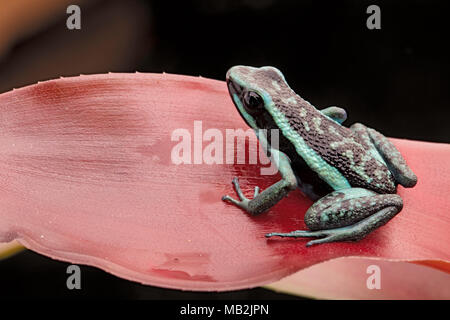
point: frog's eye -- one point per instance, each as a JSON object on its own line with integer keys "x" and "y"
{"x": 253, "y": 101}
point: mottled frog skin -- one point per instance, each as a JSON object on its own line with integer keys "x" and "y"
{"x": 353, "y": 172}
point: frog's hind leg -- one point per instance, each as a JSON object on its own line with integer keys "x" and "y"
{"x": 345, "y": 215}
{"x": 391, "y": 156}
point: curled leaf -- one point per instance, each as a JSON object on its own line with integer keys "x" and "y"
{"x": 364, "y": 278}
{"x": 88, "y": 176}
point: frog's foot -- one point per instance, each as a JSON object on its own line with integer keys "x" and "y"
{"x": 244, "y": 201}
{"x": 347, "y": 215}
{"x": 262, "y": 201}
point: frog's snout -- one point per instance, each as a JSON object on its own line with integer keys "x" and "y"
{"x": 228, "y": 75}
{"x": 233, "y": 70}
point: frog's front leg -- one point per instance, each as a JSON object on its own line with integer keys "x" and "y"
{"x": 337, "y": 114}
{"x": 262, "y": 201}
{"x": 345, "y": 215}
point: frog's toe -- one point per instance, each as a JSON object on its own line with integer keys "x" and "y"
{"x": 241, "y": 204}
{"x": 297, "y": 234}
{"x": 239, "y": 192}
{"x": 327, "y": 239}
{"x": 238, "y": 189}
{"x": 228, "y": 198}
{"x": 324, "y": 235}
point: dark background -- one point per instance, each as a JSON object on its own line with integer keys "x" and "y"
{"x": 395, "y": 79}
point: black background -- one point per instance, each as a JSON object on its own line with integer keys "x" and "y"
{"x": 395, "y": 79}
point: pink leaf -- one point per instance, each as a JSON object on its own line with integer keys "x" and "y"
{"x": 86, "y": 176}
{"x": 346, "y": 278}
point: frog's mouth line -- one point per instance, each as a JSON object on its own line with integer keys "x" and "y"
{"x": 236, "y": 92}
{"x": 234, "y": 88}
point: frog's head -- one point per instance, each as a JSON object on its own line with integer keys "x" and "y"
{"x": 255, "y": 91}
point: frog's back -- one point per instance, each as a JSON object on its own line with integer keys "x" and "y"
{"x": 339, "y": 146}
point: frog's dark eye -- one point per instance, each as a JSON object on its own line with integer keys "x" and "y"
{"x": 253, "y": 101}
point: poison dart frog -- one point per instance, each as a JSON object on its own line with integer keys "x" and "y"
{"x": 351, "y": 173}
